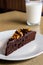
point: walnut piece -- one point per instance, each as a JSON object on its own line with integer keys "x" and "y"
{"x": 19, "y": 33}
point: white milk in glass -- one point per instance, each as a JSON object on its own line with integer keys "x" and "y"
{"x": 34, "y": 10}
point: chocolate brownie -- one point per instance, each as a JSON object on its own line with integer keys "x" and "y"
{"x": 19, "y": 39}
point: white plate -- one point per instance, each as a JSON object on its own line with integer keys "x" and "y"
{"x": 30, "y": 50}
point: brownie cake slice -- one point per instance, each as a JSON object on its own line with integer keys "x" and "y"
{"x": 19, "y": 39}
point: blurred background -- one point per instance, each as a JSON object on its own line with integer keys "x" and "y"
{"x": 11, "y": 5}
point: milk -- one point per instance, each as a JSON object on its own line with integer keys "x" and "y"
{"x": 33, "y": 9}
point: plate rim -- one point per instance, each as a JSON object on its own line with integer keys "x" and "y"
{"x": 22, "y": 59}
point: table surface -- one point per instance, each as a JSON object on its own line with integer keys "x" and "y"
{"x": 7, "y": 22}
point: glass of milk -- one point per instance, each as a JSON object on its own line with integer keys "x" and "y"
{"x": 33, "y": 11}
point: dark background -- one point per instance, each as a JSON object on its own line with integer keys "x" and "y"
{"x": 10, "y": 5}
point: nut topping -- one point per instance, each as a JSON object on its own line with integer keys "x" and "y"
{"x": 19, "y": 33}
{"x": 15, "y": 36}
{"x": 28, "y": 29}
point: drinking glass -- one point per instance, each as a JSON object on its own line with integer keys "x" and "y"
{"x": 33, "y": 11}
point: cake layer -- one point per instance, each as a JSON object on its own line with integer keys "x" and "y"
{"x": 18, "y": 40}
